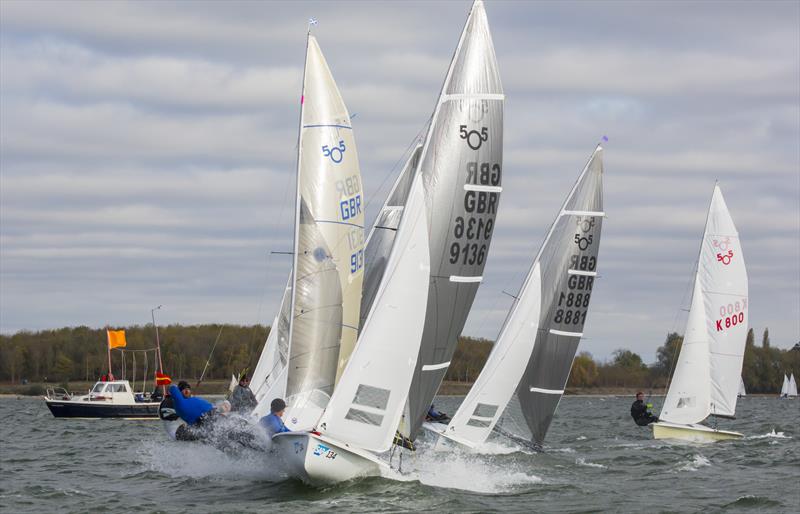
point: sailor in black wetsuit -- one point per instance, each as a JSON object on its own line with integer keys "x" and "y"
{"x": 640, "y": 413}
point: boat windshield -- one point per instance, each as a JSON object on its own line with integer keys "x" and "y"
{"x": 98, "y": 387}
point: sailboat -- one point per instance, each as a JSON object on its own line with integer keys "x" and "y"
{"x": 704, "y": 382}
{"x": 534, "y": 351}
{"x": 343, "y": 405}
{"x": 742, "y": 390}
{"x": 460, "y": 164}
{"x": 789, "y": 387}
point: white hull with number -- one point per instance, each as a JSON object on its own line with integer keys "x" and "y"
{"x": 694, "y": 432}
{"x": 318, "y": 460}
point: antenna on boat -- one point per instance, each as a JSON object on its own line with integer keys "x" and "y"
{"x": 158, "y": 346}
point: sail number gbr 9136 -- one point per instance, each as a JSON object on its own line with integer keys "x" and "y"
{"x": 473, "y": 230}
{"x": 573, "y": 300}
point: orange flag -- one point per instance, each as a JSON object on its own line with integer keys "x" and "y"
{"x": 116, "y": 339}
{"x": 162, "y": 379}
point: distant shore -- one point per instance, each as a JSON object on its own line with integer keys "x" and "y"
{"x": 220, "y": 387}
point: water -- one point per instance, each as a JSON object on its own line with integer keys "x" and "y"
{"x": 597, "y": 461}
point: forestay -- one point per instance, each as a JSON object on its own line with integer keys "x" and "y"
{"x": 367, "y": 404}
{"x": 461, "y": 165}
{"x": 328, "y": 253}
{"x": 569, "y": 270}
{"x": 381, "y": 236}
{"x": 723, "y": 279}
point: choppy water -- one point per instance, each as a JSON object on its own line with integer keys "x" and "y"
{"x": 597, "y": 460}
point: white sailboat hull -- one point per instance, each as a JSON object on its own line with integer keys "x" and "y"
{"x": 693, "y": 432}
{"x": 318, "y": 460}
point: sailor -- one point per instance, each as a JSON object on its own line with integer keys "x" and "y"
{"x": 191, "y": 409}
{"x": 640, "y": 412}
{"x": 272, "y": 422}
{"x": 435, "y": 415}
{"x": 242, "y": 399}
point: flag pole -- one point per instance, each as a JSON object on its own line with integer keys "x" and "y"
{"x": 108, "y": 346}
{"x": 158, "y": 347}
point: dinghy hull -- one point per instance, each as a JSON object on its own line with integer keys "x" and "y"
{"x": 696, "y": 433}
{"x": 318, "y": 460}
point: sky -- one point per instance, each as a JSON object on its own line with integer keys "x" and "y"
{"x": 147, "y": 150}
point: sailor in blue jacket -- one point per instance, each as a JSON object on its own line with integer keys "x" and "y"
{"x": 272, "y": 422}
{"x": 191, "y": 409}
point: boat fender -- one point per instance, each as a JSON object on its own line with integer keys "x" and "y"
{"x": 166, "y": 410}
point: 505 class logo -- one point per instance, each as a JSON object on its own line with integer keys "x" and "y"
{"x": 474, "y": 138}
{"x": 336, "y": 153}
{"x": 725, "y": 256}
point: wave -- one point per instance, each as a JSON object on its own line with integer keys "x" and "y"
{"x": 773, "y": 434}
{"x": 697, "y": 462}
{"x": 580, "y": 461}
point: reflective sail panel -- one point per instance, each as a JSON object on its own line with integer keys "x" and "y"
{"x": 569, "y": 271}
{"x": 316, "y": 327}
{"x": 689, "y": 395}
{"x": 330, "y": 184}
{"x": 381, "y": 237}
{"x": 723, "y": 279}
{"x": 366, "y": 406}
{"x": 461, "y": 166}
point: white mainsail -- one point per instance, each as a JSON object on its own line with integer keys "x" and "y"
{"x": 723, "y": 278}
{"x": 792, "y": 391}
{"x": 328, "y": 247}
{"x": 573, "y": 238}
{"x": 785, "y": 386}
{"x": 366, "y": 406}
{"x": 711, "y": 356}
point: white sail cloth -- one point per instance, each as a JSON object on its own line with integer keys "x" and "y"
{"x": 713, "y": 350}
{"x": 366, "y": 406}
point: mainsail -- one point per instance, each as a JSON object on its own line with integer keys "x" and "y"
{"x": 367, "y": 404}
{"x": 569, "y": 263}
{"x": 785, "y": 386}
{"x": 576, "y": 235}
{"x": 269, "y": 377}
{"x": 711, "y": 356}
{"x": 461, "y": 166}
{"x": 328, "y": 248}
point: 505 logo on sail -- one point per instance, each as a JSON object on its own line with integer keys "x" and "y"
{"x": 336, "y": 153}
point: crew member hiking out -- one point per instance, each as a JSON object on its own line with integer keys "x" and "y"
{"x": 640, "y": 412}
{"x": 191, "y": 409}
{"x": 272, "y": 422}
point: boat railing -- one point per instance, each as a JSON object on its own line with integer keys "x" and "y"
{"x": 58, "y": 393}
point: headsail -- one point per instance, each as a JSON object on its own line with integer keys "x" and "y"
{"x": 366, "y": 406}
{"x": 569, "y": 269}
{"x": 381, "y": 236}
{"x": 328, "y": 253}
{"x": 742, "y": 390}
{"x": 501, "y": 375}
{"x": 724, "y": 281}
{"x": 461, "y": 165}
{"x": 689, "y": 395}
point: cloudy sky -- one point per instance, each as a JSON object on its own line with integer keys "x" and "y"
{"x": 147, "y": 149}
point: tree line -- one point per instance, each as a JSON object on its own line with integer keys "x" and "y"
{"x": 79, "y": 353}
